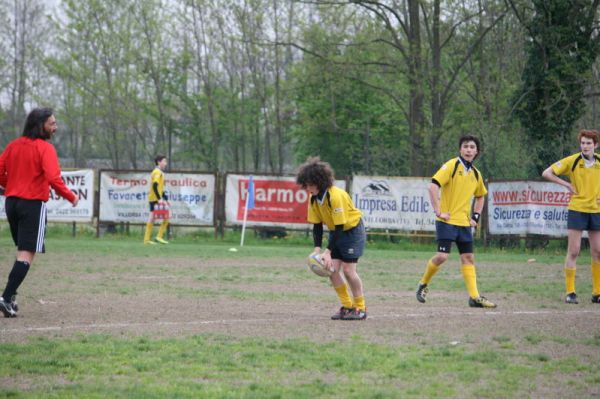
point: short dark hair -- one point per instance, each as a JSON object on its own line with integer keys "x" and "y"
{"x": 469, "y": 137}
{"x": 315, "y": 172}
{"x": 34, "y": 124}
{"x": 158, "y": 158}
{"x": 590, "y": 134}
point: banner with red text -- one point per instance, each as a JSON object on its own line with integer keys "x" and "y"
{"x": 81, "y": 183}
{"x": 527, "y": 207}
{"x": 278, "y": 201}
{"x": 124, "y": 197}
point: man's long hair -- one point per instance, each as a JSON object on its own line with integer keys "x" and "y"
{"x": 34, "y": 125}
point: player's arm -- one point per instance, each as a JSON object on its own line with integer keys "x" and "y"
{"x": 52, "y": 174}
{"x": 434, "y": 197}
{"x": 317, "y": 237}
{"x": 336, "y": 234}
{"x": 3, "y": 175}
{"x": 549, "y": 175}
{"x": 477, "y": 208}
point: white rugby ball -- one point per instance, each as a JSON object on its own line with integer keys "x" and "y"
{"x": 316, "y": 265}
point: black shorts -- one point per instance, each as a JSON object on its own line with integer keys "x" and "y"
{"x": 583, "y": 221}
{"x": 27, "y": 220}
{"x": 350, "y": 245}
{"x": 446, "y": 233}
{"x": 152, "y": 205}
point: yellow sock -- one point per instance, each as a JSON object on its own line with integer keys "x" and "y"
{"x": 359, "y": 302}
{"x": 595, "y": 278}
{"x": 470, "y": 277}
{"x": 148, "y": 232}
{"x": 162, "y": 229}
{"x": 431, "y": 270}
{"x": 570, "y": 280}
{"x": 344, "y": 296}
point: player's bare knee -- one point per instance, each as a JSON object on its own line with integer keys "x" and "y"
{"x": 440, "y": 258}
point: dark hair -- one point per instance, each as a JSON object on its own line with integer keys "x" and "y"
{"x": 469, "y": 137}
{"x": 34, "y": 124}
{"x": 158, "y": 158}
{"x": 315, "y": 172}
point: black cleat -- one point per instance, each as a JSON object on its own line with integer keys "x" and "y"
{"x": 422, "y": 292}
{"x": 595, "y": 298}
{"x": 7, "y": 309}
{"x": 341, "y": 313}
{"x": 571, "y": 298}
{"x": 13, "y": 302}
{"x": 481, "y": 302}
{"x": 355, "y": 314}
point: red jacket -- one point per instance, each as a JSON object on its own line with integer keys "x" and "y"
{"x": 28, "y": 167}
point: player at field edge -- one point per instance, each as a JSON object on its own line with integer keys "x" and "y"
{"x": 333, "y": 207}
{"x": 156, "y": 194}
{"x": 28, "y": 168}
{"x": 583, "y": 171}
{"x": 451, "y": 192}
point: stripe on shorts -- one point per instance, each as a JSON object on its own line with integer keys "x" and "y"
{"x": 41, "y": 229}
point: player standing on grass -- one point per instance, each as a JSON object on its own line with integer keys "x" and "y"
{"x": 334, "y": 207}
{"x": 156, "y": 194}
{"x": 459, "y": 181}
{"x": 583, "y": 171}
{"x": 28, "y": 168}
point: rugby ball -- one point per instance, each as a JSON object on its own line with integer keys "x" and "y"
{"x": 316, "y": 265}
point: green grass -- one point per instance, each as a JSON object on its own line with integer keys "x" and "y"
{"x": 221, "y": 367}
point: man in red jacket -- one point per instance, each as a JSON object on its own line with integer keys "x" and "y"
{"x": 28, "y": 168}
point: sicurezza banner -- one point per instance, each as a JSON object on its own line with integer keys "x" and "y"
{"x": 278, "y": 201}
{"x": 527, "y": 207}
{"x": 399, "y": 203}
{"x": 124, "y": 197}
{"x": 81, "y": 183}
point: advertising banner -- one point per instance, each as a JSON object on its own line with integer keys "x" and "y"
{"x": 124, "y": 197}
{"x": 81, "y": 182}
{"x": 394, "y": 202}
{"x": 527, "y": 207}
{"x": 278, "y": 201}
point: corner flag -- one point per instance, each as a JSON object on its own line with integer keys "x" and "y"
{"x": 250, "y": 198}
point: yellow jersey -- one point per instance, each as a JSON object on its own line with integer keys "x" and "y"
{"x": 157, "y": 176}
{"x": 335, "y": 208}
{"x": 585, "y": 179}
{"x": 458, "y": 187}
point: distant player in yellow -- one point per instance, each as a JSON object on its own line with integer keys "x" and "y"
{"x": 334, "y": 207}
{"x": 583, "y": 171}
{"x": 458, "y": 181}
{"x": 156, "y": 194}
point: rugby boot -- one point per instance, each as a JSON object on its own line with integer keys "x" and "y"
{"x": 422, "y": 292}
{"x": 571, "y": 298}
{"x": 481, "y": 302}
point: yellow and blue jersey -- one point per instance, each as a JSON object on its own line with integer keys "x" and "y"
{"x": 157, "y": 176}
{"x": 335, "y": 208}
{"x": 458, "y": 187}
{"x": 585, "y": 179}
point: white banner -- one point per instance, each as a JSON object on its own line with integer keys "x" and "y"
{"x": 394, "y": 202}
{"x": 522, "y": 207}
{"x": 124, "y": 197}
{"x": 80, "y": 182}
{"x": 278, "y": 200}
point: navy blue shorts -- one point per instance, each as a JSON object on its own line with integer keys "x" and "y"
{"x": 583, "y": 221}
{"x": 152, "y": 205}
{"x": 446, "y": 234}
{"x": 350, "y": 245}
{"x": 27, "y": 220}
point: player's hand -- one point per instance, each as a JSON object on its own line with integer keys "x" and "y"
{"x": 326, "y": 256}
{"x": 444, "y": 216}
{"x": 76, "y": 201}
{"x": 572, "y": 189}
{"x": 473, "y": 223}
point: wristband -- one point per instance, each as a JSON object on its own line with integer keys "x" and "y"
{"x": 475, "y": 216}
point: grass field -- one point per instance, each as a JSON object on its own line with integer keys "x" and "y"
{"x": 110, "y": 317}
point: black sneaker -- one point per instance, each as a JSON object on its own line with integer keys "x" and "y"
{"x": 341, "y": 313}
{"x": 355, "y": 314}
{"x": 422, "y": 292}
{"x": 571, "y": 298}
{"x": 481, "y": 302}
{"x": 7, "y": 309}
{"x": 13, "y": 302}
{"x": 595, "y": 298}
